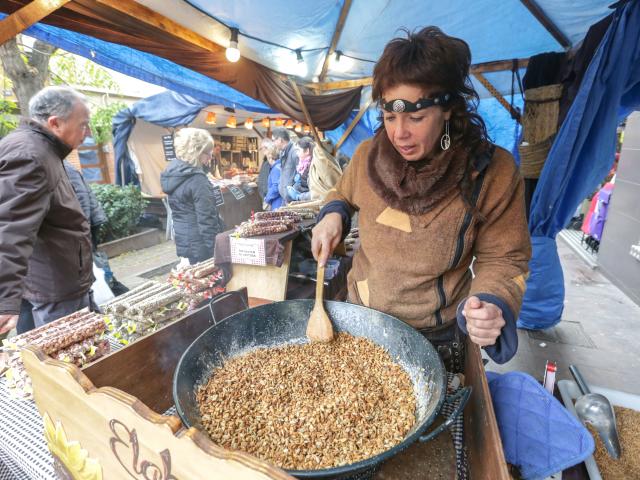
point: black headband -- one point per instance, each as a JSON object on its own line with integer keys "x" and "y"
{"x": 400, "y": 106}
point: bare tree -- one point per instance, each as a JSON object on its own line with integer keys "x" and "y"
{"x": 28, "y": 69}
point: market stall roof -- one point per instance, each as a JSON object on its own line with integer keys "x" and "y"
{"x": 195, "y": 33}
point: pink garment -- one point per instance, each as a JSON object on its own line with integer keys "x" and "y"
{"x": 303, "y": 164}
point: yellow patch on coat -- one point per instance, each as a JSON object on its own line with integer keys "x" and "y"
{"x": 363, "y": 291}
{"x": 521, "y": 282}
{"x": 395, "y": 219}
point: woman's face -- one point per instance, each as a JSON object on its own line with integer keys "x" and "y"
{"x": 205, "y": 157}
{"x": 414, "y": 135}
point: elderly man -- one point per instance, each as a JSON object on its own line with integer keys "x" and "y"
{"x": 45, "y": 242}
{"x": 288, "y": 160}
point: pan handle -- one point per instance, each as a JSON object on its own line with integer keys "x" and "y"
{"x": 464, "y": 394}
{"x": 222, "y": 296}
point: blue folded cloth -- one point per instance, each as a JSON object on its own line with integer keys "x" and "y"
{"x": 538, "y": 434}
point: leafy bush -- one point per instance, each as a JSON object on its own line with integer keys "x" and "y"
{"x": 7, "y": 124}
{"x": 101, "y": 119}
{"x": 122, "y": 206}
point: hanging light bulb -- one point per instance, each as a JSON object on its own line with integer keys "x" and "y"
{"x": 279, "y": 122}
{"x": 211, "y": 118}
{"x": 231, "y": 122}
{"x": 248, "y": 123}
{"x": 289, "y": 124}
{"x": 307, "y": 129}
{"x": 298, "y": 127}
{"x": 266, "y": 121}
{"x": 232, "y": 53}
{"x": 301, "y": 66}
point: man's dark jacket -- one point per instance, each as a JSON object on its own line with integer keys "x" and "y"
{"x": 45, "y": 245}
{"x": 195, "y": 217}
{"x": 289, "y": 162}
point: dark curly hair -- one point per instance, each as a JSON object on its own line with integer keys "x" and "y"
{"x": 430, "y": 58}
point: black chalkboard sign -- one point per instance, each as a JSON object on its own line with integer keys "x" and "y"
{"x": 236, "y": 192}
{"x": 167, "y": 145}
{"x": 217, "y": 196}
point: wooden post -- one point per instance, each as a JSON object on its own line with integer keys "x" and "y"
{"x": 336, "y": 37}
{"x": 353, "y": 124}
{"x": 488, "y": 85}
{"x": 546, "y": 22}
{"x": 31, "y": 13}
{"x": 296, "y": 90}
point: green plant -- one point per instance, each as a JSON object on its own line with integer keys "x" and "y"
{"x": 122, "y": 206}
{"x": 7, "y": 108}
{"x": 101, "y": 121}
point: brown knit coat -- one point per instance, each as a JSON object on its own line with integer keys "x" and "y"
{"x": 416, "y": 267}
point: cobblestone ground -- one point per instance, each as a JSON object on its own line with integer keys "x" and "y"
{"x": 128, "y": 266}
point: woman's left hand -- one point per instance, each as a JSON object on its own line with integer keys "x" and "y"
{"x": 484, "y": 321}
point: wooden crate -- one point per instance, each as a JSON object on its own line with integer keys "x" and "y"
{"x": 112, "y": 408}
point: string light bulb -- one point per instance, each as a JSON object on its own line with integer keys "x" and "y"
{"x": 248, "y": 123}
{"x": 307, "y": 129}
{"x": 300, "y": 67}
{"x": 266, "y": 121}
{"x": 231, "y": 122}
{"x": 232, "y": 53}
{"x": 298, "y": 128}
{"x": 211, "y": 118}
{"x": 288, "y": 124}
{"x": 279, "y": 122}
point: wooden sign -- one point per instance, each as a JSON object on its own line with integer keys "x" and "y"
{"x": 236, "y": 192}
{"x": 217, "y": 196}
{"x": 167, "y": 145}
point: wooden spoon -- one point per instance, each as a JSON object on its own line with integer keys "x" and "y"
{"x": 319, "y": 328}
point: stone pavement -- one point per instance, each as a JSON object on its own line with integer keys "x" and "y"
{"x": 599, "y": 332}
{"x": 129, "y": 266}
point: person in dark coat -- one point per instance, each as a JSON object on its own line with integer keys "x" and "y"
{"x": 195, "y": 218}
{"x": 45, "y": 244}
{"x": 288, "y": 160}
{"x": 265, "y": 168}
{"x": 88, "y": 202}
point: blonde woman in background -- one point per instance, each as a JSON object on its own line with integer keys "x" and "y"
{"x": 195, "y": 217}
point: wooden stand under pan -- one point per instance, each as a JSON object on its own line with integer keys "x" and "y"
{"x": 105, "y": 421}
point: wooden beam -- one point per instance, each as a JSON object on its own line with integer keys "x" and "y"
{"x": 31, "y": 13}
{"x": 493, "y": 91}
{"x": 342, "y": 84}
{"x": 155, "y": 19}
{"x": 497, "y": 66}
{"x": 336, "y": 37}
{"x": 353, "y": 124}
{"x": 294, "y": 85}
{"x": 546, "y": 22}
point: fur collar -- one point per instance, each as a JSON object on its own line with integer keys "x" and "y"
{"x": 413, "y": 187}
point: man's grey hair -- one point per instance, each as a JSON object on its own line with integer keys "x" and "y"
{"x": 54, "y": 102}
{"x": 281, "y": 132}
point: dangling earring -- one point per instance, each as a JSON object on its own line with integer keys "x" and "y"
{"x": 445, "y": 140}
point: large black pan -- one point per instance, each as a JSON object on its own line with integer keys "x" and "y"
{"x": 285, "y": 322}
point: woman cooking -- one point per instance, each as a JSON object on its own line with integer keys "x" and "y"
{"x": 433, "y": 194}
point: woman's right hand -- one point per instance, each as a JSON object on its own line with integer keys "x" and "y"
{"x": 326, "y": 236}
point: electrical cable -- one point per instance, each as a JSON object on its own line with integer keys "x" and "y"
{"x": 269, "y": 42}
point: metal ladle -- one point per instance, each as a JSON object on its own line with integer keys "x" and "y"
{"x": 595, "y": 409}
